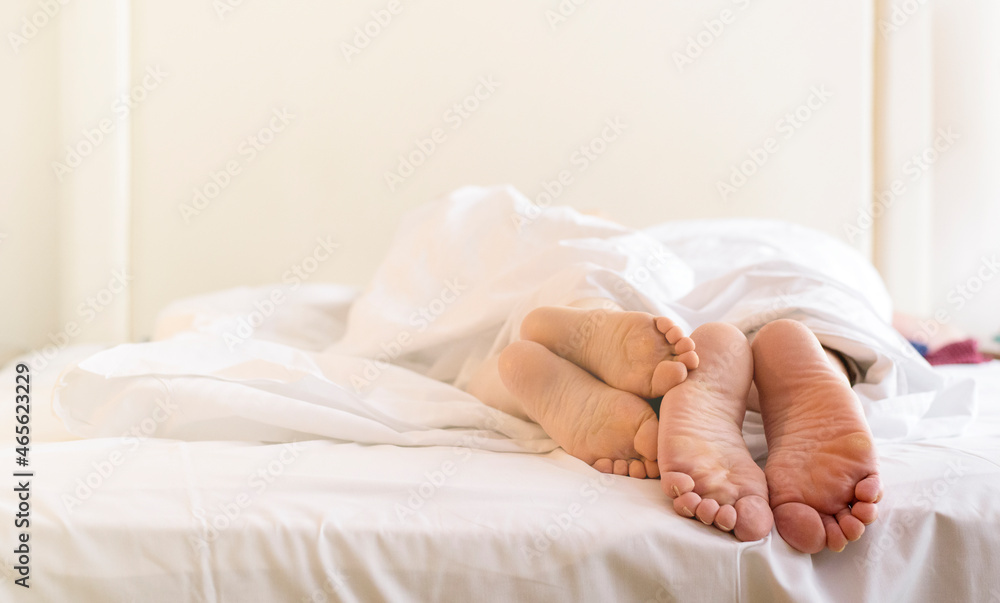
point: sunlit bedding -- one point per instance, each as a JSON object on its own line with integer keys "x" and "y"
{"x": 277, "y": 465}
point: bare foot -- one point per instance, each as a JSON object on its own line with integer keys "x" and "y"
{"x": 704, "y": 463}
{"x": 611, "y": 430}
{"x": 635, "y": 352}
{"x": 822, "y": 466}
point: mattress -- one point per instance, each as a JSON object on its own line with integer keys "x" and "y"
{"x": 141, "y": 517}
{"x": 308, "y": 442}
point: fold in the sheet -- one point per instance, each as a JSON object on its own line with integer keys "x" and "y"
{"x": 193, "y": 387}
{"x": 452, "y": 290}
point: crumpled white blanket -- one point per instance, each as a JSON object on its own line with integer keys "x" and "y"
{"x": 457, "y": 279}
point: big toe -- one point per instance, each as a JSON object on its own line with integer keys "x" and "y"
{"x": 801, "y": 527}
{"x": 667, "y": 375}
{"x": 645, "y": 437}
{"x": 675, "y": 483}
{"x": 869, "y": 489}
{"x": 753, "y": 518}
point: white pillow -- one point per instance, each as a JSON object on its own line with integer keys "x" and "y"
{"x": 309, "y": 317}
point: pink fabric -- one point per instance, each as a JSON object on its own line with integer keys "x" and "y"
{"x": 959, "y": 352}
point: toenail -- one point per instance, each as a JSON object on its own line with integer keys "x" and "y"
{"x": 677, "y": 492}
{"x": 707, "y": 523}
{"x": 724, "y": 528}
{"x": 687, "y": 511}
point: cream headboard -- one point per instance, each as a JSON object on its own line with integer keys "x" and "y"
{"x": 258, "y": 127}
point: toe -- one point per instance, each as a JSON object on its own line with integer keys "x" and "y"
{"x": 835, "y": 539}
{"x": 753, "y": 518}
{"x": 675, "y": 484}
{"x": 869, "y": 490}
{"x": 664, "y": 324}
{"x": 800, "y": 526}
{"x": 686, "y": 344}
{"x": 689, "y": 359}
{"x": 621, "y": 467}
{"x": 674, "y": 334}
{"x": 652, "y": 469}
{"x": 604, "y": 465}
{"x": 667, "y": 375}
{"x": 707, "y": 511}
{"x": 685, "y": 504}
{"x": 866, "y": 513}
{"x": 725, "y": 519}
{"x": 646, "y": 435}
{"x": 850, "y": 525}
{"x": 637, "y": 469}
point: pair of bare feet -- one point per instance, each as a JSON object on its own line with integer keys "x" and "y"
{"x": 588, "y": 376}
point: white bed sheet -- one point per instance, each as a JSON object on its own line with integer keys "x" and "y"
{"x": 343, "y": 521}
{"x": 456, "y": 281}
{"x": 333, "y": 513}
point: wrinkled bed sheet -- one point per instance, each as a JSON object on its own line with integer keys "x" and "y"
{"x": 289, "y": 461}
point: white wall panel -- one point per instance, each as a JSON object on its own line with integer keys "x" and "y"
{"x": 700, "y": 87}
{"x": 93, "y": 178}
{"x": 902, "y": 207}
{"x": 28, "y": 239}
{"x": 965, "y": 264}
{"x": 324, "y": 174}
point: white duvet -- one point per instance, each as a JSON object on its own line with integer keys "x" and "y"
{"x": 457, "y": 280}
{"x": 188, "y": 485}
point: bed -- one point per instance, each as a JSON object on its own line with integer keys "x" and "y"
{"x": 193, "y": 490}
{"x": 248, "y": 491}
{"x": 503, "y": 527}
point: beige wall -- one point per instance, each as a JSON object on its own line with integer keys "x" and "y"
{"x": 204, "y": 84}
{"x": 324, "y": 174}
{"x": 938, "y": 139}
{"x": 965, "y": 274}
{"x": 28, "y": 207}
